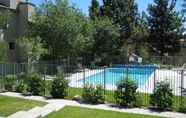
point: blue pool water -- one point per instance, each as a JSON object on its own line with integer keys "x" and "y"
{"x": 114, "y": 75}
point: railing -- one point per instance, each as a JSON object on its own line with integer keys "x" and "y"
{"x": 145, "y": 76}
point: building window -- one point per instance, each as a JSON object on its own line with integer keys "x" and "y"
{"x": 12, "y": 46}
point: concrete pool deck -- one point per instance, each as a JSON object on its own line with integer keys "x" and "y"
{"x": 171, "y": 76}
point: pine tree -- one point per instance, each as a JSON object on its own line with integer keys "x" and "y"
{"x": 122, "y": 12}
{"x": 94, "y": 9}
{"x": 165, "y": 27}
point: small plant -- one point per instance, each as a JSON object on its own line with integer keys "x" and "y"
{"x": 126, "y": 94}
{"x": 59, "y": 86}
{"x": 162, "y": 97}
{"x": 139, "y": 100}
{"x": 10, "y": 82}
{"x": 22, "y": 87}
{"x": 182, "y": 109}
{"x": 35, "y": 84}
{"x": 93, "y": 94}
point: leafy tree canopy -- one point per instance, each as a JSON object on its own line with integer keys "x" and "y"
{"x": 165, "y": 27}
{"x": 65, "y": 30}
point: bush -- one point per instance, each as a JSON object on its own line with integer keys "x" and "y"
{"x": 93, "y": 94}
{"x": 139, "y": 100}
{"x": 182, "y": 109}
{"x": 22, "y": 87}
{"x": 35, "y": 84}
{"x": 162, "y": 98}
{"x": 126, "y": 94}
{"x": 59, "y": 86}
{"x": 10, "y": 82}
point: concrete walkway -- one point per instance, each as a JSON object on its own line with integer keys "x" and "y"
{"x": 55, "y": 105}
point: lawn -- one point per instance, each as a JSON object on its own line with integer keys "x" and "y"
{"x": 77, "y": 112}
{"x": 10, "y": 105}
{"x": 109, "y": 97}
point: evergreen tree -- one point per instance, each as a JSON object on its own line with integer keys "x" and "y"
{"x": 122, "y": 12}
{"x": 165, "y": 27}
{"x": 94, "y": 9}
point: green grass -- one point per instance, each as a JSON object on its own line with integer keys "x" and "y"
{"x": 77, "y": 112}
{"x": 10, "y": 105}
{"x": 109, "y": 96}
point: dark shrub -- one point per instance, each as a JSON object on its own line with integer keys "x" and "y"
{"x": 59, "y": 86}
{"x": 93, "y": 95}
{"x": 182, "y": 109}
{"x": 35, "y": 84}
{"x": 10, "y": 82}
{"x": 125, "y": 94}
{"x": 162, "y": 97}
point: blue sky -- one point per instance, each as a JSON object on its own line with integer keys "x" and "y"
{"x": 84, "y": 4}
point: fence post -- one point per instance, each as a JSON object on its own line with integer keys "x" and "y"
{"x": 1, "y": 78}
{"x": 182, "y": 86}
{"x": 104, "y": 81}
{"x": 44, "y": 80}
{"x": 4, "y": 74}
{"x": 155, "y": 77}
{"x": 127, "y": 70}
{"x": 84, "y": 82}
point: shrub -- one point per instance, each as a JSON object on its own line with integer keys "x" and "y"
{"x": 59, "y": 86}
{"x": 93, "y": 94}
{"x": 182, "y": 109}
{"x": 10, "y": 82}
{"x": 162, "y": 97}
{"x": 126, "y": 94}
{"x": 139, "y": 100}
{"x": 22, "y": 87}
{"x": 35, "y": 84}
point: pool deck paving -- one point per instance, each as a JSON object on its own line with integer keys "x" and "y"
{"x": 57, "y": 104}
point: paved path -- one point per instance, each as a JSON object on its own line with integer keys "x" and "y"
{"x": 55, "y": 105}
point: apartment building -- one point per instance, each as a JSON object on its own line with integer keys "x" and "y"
{"x": 21, "y": 13}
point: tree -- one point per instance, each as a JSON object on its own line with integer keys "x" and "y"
{"x": 122, "y": 12}
{"x": 94, "y": 9}
{"x": 30, "y": 49}
{"x": 4, "y": 17}
{"x": 165, "y": 27}
{"x": 106, "y": 39}
{"x": 65, "y": 30}
{"x": 3, "y": 51}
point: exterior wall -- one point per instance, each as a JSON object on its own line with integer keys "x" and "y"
{"x": 21, "y": 13}
{"x": 12, "y": 4}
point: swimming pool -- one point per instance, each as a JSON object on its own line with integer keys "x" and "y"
{"x": 112, "y": 76}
